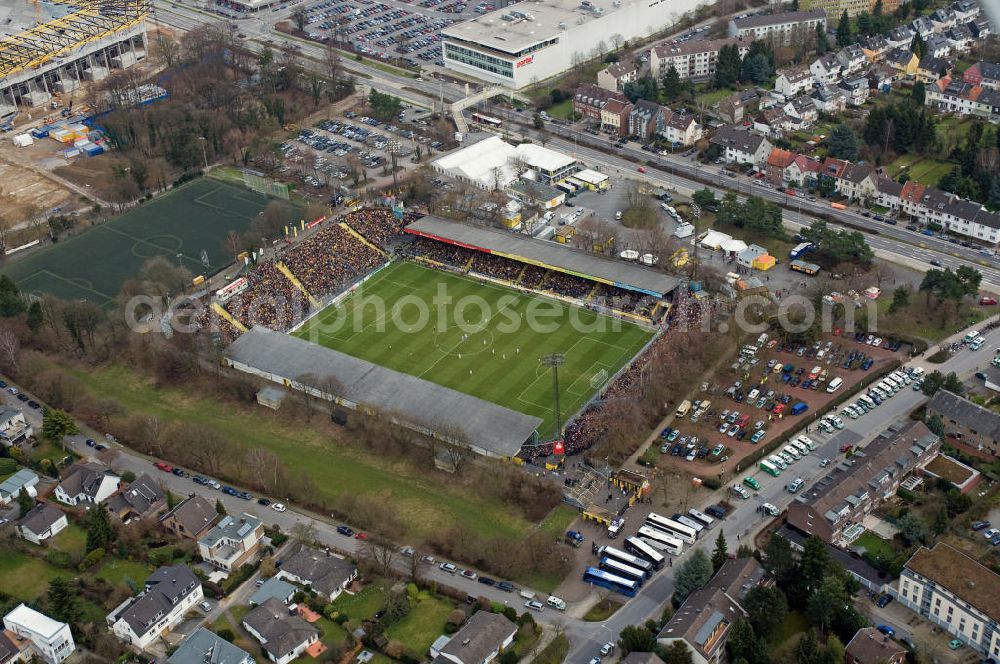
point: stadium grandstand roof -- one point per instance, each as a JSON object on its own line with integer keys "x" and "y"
{"x": 487, "y": 428}
{"x": 546, "y": 254}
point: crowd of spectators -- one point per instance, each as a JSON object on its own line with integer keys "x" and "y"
{"x": 497, "y": 267}
{"x": 329, "y": 260}
{"x": 270, "y": 300}
{"x": 380, "y": 225}
{"x": 533, "y": 276}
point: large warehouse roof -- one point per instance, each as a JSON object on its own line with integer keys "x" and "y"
{"x": 491, "y": 159}
{"x": 418, "y": 403}
{"x": 547, "y": 254}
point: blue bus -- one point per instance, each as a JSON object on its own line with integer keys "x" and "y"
{"x": 618, "y": 584}
{"x": 623, "y": 570}
{"x": 801, "y": 249}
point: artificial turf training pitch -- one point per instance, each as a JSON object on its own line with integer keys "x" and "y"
{"x": 482, "y": 345}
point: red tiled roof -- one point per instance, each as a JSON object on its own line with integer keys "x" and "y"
{"x": 780, "y": 158}
{"x": 912, "y": 191}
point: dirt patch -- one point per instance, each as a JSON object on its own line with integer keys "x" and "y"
{"x": 93, "y": 174}
{"x": 30, "y": 190}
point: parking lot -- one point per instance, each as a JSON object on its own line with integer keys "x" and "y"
{"x": 755, "y": 399}
{"x": 390, "y": 29}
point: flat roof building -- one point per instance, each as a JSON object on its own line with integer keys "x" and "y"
{"x": 494, "y": 164}
{"x": 516, "y": 45}
{"x": 50, "y": 639}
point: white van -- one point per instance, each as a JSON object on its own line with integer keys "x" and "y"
{"x": 834, "y": 385}
{"x": 868, "y": 401}
{"x": 777, "y": 461}
{"x": 787, "y": 458}
{"x": 792, "y": 452}
{"x": 556, "y": 603}
{"x": 971, "y": 336}
{"x": 807, "y": 441}
{"x": 801, "y": 447}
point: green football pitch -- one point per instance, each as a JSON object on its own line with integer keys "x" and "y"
{"x": 179, "y": 226}
{"x": 485, "y": 340}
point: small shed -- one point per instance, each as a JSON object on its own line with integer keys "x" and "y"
{"x": 23, "y": 140}
{"x": 271, "y": 397}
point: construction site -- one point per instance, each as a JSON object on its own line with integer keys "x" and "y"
{"x": 48, "y": 51}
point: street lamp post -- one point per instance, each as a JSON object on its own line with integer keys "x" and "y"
{"x": 204, "y": 154}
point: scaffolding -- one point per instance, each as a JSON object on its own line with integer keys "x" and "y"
{"x": 91, "y": 21}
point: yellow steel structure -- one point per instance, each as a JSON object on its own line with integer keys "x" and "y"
{"x": 90, "y": 21}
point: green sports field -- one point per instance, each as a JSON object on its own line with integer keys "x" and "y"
{"x": 179, "y": 226}
{"x": 481, "y": 342}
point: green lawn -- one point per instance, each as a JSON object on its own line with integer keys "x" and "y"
{"x": 25, "y": 577}
{"x": 364, "y": 604}
{"x": 421, "y": 501}
{"x": 555, "y": 652}
{"x": 875, "y": 545}
{"x": 563, "y": 110}
{"x": 72, "y": 540}
{"x": 486, "y": 345}
{"x": 116, "y": 571}
{"x": 922, "y": 169}
{"x": 712, "y": 96}
{"x": 795, "y": 623}
{"x": 422, "y": 625}
{"x": 330, "y": 632}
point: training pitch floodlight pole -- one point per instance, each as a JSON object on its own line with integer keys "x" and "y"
{"x": 554, "y": 361}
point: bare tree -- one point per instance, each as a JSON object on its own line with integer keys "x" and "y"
{"x": 381, "y": 554}
{"x": 264, "y": 467}
{"x": 10, "y": 349}
{"x": 617, "y": 41}
{"x": 304, "y": 532}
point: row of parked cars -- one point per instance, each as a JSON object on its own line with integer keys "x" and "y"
{"x": 209, "y": 482}
{"x": 884, "y": 390}
{"x": 992, "y": 535}
{"x": 21, "y": 396}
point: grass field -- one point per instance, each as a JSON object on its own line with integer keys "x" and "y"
{"x": 923, "y": 170}
{"x": 486, "y": 349}
{"x": 24, "y": 577}
{"x": 422, "y": 625}
{"x": 179, "y": 225}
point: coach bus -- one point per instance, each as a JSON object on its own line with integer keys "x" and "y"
{"x": 660, "y": 541}
{"x": 640, "y": 548}
{"x": 627, "y": 558}
{"x": 690, "y": 523}
{"x": 702, "y": 518}
{"x": 623, "y": 570}
{"x": 618, "y": 584}
{"x": 487, "y": 120}
{"x": 769, "y": 468}
{"x": 671, "y": 527}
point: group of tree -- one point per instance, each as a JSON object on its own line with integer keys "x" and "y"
{"x": 903, "y": 126}
{"x": 935, "y": 380}
{"x": 977, "y": 175}
{"x": 838, "y": 245}
{"x": 757, "y": 66}
{"x": 843, "y": 143}
{"x": 755, "y": 214}
{"x": 942, "y": 286}
{"x": 383, "y": 105}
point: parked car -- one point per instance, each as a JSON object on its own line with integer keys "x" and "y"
{"x": 167, "y": 468}
{"x": 980, "y": 525}
{"x": 795, "y": 485}
{"x": 345, "y": 530}
{"x": 887, "y": 630}
{"x": 448, "y": 567}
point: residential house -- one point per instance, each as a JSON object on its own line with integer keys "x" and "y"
{"x": 923, "y": 26}
{"x": 986, "y": 74}
{"x": 857, "y": 182}
{"x": 590, "y": 99}
{"x": 232, "y": 542}
{"x": 14, "y": 429}
{"x": 956, "y": 593}
{"x": 282, "y": 633}
{"x": 191, "y": 518}
{"x": 274, "y": 588}
{"x": 969, "y": 218}
{"x": 887, "y": 192}
{"x": 834, "y": 168}
{"x": 904, "y": 61}
{"x": 901, "y": 37}
{"x": 692, "y": 59}
{"x": 87, "y": 484}
{"x": 875, "y": 48}
{"x": 881, "y": 77}
{"x": 803, "y": 171}
{"x": 705, "y": 618}
{"x": 614, "y": 117}
{"x": 681, "y": 129}
{"x": 780, "y": 29}
{"x": 778, "y": 163}
{"x": 966, "y": 423}
{"x": 773, "y": 123}
{"x": 13, "y": 649}
{"x": 636, "y": 657}
{"x": 42, "y": 522}
{"x": 855, "y": 90}
{"x": 870, "y": 646}
{"x": 829, "y": 100}
{"x": 646, "y": 119}
{"x": 834, "y": 8}
{"x": 932, "y": 69}
{"x": 938, "y": 45}
{"x": 826, "y": 68}
{"x": 168, "y": 594}
{"x": 50, "y": 639}
{"x": 980, "y": 27}
{"x": 965, "y": 10}
{"x": 616, "y": 75}
{"x": 961, "y": 38}
{"x": 734, "y": 108}
{"x": 794, "y": 81}
{"x": 953, "y": 96}
{"x": 943, "y": 19}
{"x": 480, "y": 640}
{"x": 742, "y": 146}
{"x": 855, "y": 487}
{"x": 852, "y": 59}
{"x": 802, "y": 110}
{"x": 11, "y": 487}
{"x": 205, "y": 647}
{"x": 142, "y": 498}
{"x": 320, "y": 570}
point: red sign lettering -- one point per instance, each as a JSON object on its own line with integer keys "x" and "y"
{"x": 525, "y": 61}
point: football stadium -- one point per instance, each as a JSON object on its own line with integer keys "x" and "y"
{"x": 461, "y": 332}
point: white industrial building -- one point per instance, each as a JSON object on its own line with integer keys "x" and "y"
{"x": 494, "y": 164}
{"x": 533, "y": 41}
